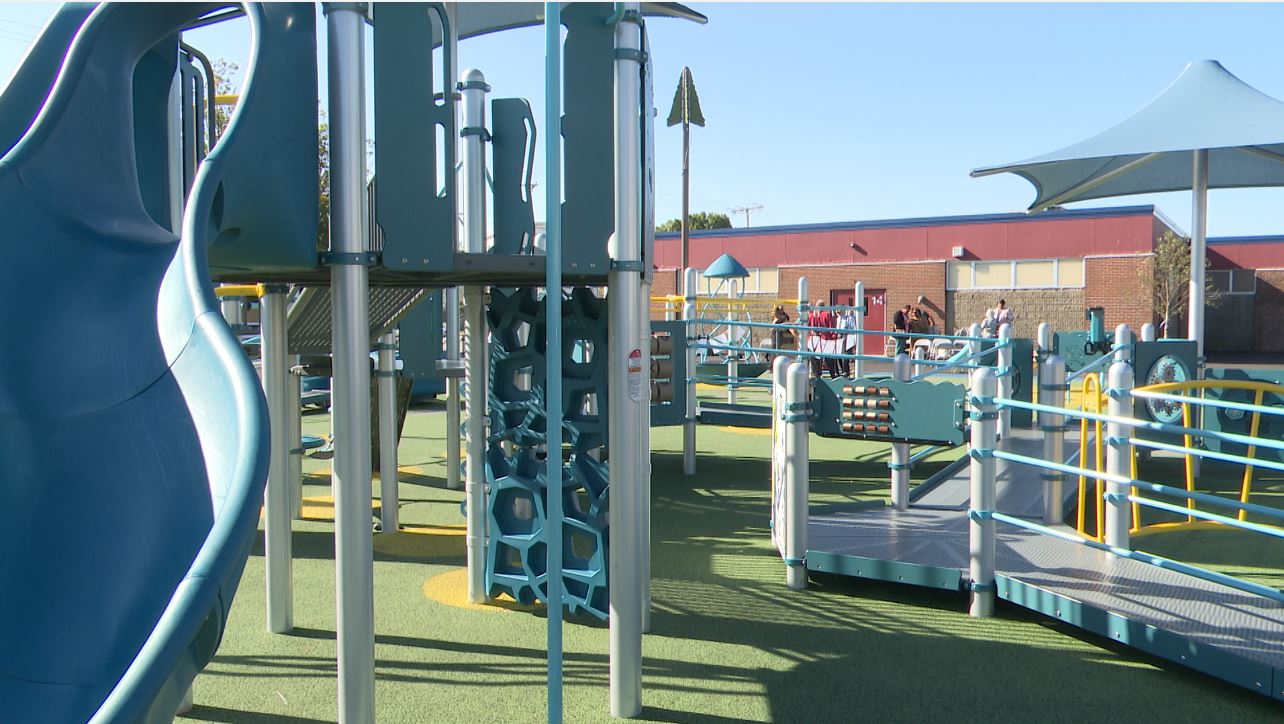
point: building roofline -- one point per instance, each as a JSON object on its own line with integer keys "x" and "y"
{"x": 1246, "y": 240}
{"x": 1093, "y": 213}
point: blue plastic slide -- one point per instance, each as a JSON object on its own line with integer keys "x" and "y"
{"x": 133, "y": 433}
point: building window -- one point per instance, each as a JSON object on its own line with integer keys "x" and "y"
{"x": 1233, "y": 281}
{"x": 1023, "y": 274}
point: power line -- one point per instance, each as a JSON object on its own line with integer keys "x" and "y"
{"x": 22, "y": 23}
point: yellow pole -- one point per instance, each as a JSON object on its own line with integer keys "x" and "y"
{"x": 1100, "y": 465}
{"x": 1246, "y": 489}
{"x": 1188, "y": 440}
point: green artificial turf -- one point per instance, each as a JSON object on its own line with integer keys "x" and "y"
{"x": 729, "y": 643}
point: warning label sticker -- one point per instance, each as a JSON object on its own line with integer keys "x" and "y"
{"x": 635, "y": 375}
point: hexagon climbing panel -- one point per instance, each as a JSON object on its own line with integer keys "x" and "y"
{"x": 516, "y": 468}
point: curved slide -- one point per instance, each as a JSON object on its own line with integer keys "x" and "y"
{"x": 133, "y": 432}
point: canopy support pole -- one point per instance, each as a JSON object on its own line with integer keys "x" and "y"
{"x": 1198, "y": 243}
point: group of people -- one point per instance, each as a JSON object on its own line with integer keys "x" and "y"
{"x": 911, "y": 320}
{"x": 995, "y": 318}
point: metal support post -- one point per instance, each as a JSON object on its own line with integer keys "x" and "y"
{"x": 858, "y": 365}
{"x": 625, "y": 380}
{"x": 797, "y": 475}
{"x": 692, "y": 332}
{"x": 351, "y": 389}
{"x": 1198, "y": 241}
{"x": 900, "y": 464}
{"x": 453, "y": 461}
{"x": 277, "y": 503}
{"x": 1052, "y": 385}
{"x": 1123, "y": 340}
{"x": 477, "y": 373}
{"x": 1044, "y": 344}
{"x": 1148, "y": 332}
{"x": 644, "y": 456}
{"x": 1118, "y": 455}
{"x": 804, "y": 337}
{"x": 733, "y": 340}
{"x": 981, "y": 536}
{"x": 389, "y": 501}
{"x": 296, "y": 441}
{"x": 1003, "y": 360}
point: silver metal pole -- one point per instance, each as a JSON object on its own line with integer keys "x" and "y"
{"x": 858, "y": 365}
{"x": 804, "y": 336}
{"x": 981, "y": 541}
{"x": 1118, "y": 454}
{"x": 450, "y": 299}
{"x": 1198, "y": 239}
{"x": 625, "y": 381}
{"x": 277, "y": 503}
{"x": 733, "y": 338}
{"x": 692, "y": 332}
{"x": 389, "y": 500}
{"x": 1123, "y": 336}
{"x": 296, "y": 440}
{"x": 797, "y": 476}
{"x": 1148, "y": 332}
{"x": 1052, "y": 382}
{"x": 473, "y": 91}
{"x": 351, "y": 387}
{"x": 1004, "y": 363}
{"x": 1044, "y": 342}
{"x": 900, "y": 465}
{"x": 644, "y": 458}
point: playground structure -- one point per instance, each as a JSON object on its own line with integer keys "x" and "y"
{"x": 942, "y": 533}
{"x": 173, "y": 206}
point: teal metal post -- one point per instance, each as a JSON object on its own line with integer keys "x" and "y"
{"x": 981, "y": 540}
{"x": 553, "y": 369}
{"x": 900, "y": 464}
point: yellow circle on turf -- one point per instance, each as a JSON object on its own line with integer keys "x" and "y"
{"x": 451, "y": 589}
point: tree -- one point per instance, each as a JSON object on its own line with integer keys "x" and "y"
{"x": 699, "y": 220}
{"x": 1170, "y": 282}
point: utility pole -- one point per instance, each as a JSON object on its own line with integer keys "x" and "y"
{"x": 746, "y": 210}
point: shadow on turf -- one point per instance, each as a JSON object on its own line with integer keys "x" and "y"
{"x": 228, "y": 716}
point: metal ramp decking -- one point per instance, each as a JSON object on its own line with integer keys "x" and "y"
{"x": 309, "y": 315}
{"x": 1216, "y": 629}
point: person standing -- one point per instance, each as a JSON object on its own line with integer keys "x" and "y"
{"x": 1003, "y": 315}
{"x": 900, "y": 323}
{"x": 780, "y": 338}
{"x": 847, "y": 340}
{"x": 824, "y": 341}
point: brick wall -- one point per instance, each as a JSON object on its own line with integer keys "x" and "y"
{"x": 1268, "y": 329}
{"x": 1123, "y": 286}
{"x": 1061, "y": 308}
{"x": 903, "y": 282}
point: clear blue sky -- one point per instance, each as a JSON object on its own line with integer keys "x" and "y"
{"x": 832, "y": 112}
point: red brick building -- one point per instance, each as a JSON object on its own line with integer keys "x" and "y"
{"x": 1049, "y": 267}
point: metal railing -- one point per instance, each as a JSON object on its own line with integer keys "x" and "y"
{"x": 1122, "y": 497}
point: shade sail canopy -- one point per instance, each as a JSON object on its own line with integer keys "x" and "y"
{"x": 726, "y": 267}
{"x": 1206, "y": 107}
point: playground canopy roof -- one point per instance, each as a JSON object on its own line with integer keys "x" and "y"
{"x": 726, "y": 267}
{"x": 1206, "y": 107}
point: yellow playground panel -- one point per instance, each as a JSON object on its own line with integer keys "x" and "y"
{"x": 1091, "y": 397}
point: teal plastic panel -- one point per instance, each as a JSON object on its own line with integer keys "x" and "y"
{"x": 672, "y": 412}
{"x": 588, "y": 139}
{"x": 513, "y": 153}
{"x": 1023, "y": 379}
{"x": 420, "y": 340}
{"x": 272, "y": 227}
{"x": 25, "y": 95}
{"x": 877, "y": 569}
{"x": 1074, "y": 348}
{"x": 1238, "y": 422}
{"x": 153, "y": 78}
{"x": 1145, "y": 357}
{"x": 918, "y": 411}
{"x": 415, "y": 196}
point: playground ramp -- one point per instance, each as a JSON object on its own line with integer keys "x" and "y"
{"x": 133, "y": 428}
{"x": 1209, "y": 627}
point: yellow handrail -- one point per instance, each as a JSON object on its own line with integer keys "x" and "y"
{"x": 239, "y": 290}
